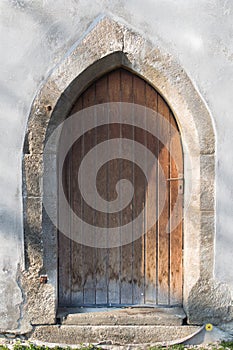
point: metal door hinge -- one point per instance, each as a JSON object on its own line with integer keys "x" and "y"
{"x": 180, "y": 184}
{"x": 181, "y": 187}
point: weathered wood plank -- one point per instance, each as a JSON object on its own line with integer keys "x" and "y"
{"x": 114, "y": 254}
{"x": 139, "y": 203}
{"x": 76, "y": 268}
{"x": 89, "y": 253}
{"x": 126, "y": 171}
{"x": 163, "y": 206}
{"x": 64, "y": 242}
{"x": 101, "y": 218}
{"x": 176, "y": 215}
{"x": 151, "y": 235}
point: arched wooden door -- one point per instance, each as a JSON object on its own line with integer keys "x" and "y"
{"x": 147, "y": 270}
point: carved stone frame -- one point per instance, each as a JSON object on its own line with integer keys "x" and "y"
{"x": 106, "y": 46}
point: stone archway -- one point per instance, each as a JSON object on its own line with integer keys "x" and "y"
{"x": 107, "y": 46}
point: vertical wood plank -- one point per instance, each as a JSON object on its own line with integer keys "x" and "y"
{"x": 151, "y": 236}
{"x": 163, "y": 206}
{"x": 126, "y": 171}
{"x": 89, "y": 253}
{"x": 77, "y": 153}
{"x": 139, "y": 203}
{"x": 64, "y": 242}
{"x": 114, "y": 254}
{"x": 176, "y": 215}
{"x": 64, "y": 270}
{"x": 101, "y": 219}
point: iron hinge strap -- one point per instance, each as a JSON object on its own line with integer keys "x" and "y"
{"x": 181, "y": 184}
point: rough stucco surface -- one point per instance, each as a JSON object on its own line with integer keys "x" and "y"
{"x": 35, "y": 35}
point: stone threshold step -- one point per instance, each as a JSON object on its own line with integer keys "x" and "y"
{"x": 122, "y": 316}
{"x": 71, "y": 334}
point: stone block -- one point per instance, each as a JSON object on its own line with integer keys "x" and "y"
{"x": 40, "y": 302}
{"x": 209, "y": 302}
{"x": 207, "y": 189}
{"x": 33, "y": 171}
{"x": 102, "y": 40}
{"x": 33, "y": 231}
{"x": 50, "y": 175}
{"x": 207, "y": 245}
{"x": 117, "y": 335}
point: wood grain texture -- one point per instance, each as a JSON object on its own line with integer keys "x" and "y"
{"x": 126, "y": 272}
{"x": 148, "y": 270}
{"x": 114, "y": 168}
{"x": 139, "y": 202}
{"x": 64, "y": 243}
{"x": 151, "y": 236}
{"x": 101, "y": 219}
{"x": 163, "y": 207}
{"x": 176, "y": 215}
{"x": 88, "y": 253}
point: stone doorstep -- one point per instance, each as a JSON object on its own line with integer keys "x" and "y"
{"x": 116, "y": 335}
{"x": 124, "y": 316}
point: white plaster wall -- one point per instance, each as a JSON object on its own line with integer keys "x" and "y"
{"x": 36, "y": 34}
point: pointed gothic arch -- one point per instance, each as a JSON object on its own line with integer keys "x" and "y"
{"x": 109, "y": 45}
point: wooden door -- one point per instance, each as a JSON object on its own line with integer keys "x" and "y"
{"x": 149, "y": 269}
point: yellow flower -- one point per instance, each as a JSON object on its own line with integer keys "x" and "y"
{"x": 208, "y": 327}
